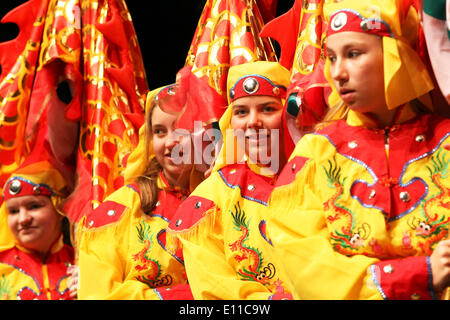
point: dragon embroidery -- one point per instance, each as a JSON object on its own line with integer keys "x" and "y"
{"x": 253, "y": 269}
{"x": 350, "y": 238}
{"x": 433, "y": 227}
{"x": 5, "y": 289}
{"x": 145, "y": 264}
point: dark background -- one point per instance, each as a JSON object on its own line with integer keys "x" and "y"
{"x": 164, "y": 29}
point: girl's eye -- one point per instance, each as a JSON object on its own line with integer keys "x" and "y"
{"x": 34, "y": 206}
{"x": 331, "y": 58}
{"x": 158, "y": 131}
{"x": 353, "y": 54}
{"x": 268, "y": 109}
{"x": 12, "y": 210}
{"x": 240, "y": 112}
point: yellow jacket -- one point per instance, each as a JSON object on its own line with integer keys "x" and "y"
{"x": 23, "y": 276}
{"x": 222, "y": 229}
{"x": 359, "y": 210}
{"x": 123, "y": 252}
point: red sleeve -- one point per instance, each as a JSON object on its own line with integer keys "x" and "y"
{"x": 404, "y": 279}
{"x": 178, "y": 292}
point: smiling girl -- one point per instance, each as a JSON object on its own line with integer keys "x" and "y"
{"x": 34, "y": 260}
{"x": 222, "y": 224}
{"x": 123, "y": 250}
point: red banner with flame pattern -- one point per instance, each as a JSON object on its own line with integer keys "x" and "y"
{"x": 227, "y": 34}
{"x": 90, "y": 48}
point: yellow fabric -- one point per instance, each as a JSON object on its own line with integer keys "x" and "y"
{"x": 405, "y": 75}
{"x": 305, "y": 218}
{"x": 230, "y": 152}
{"x": 112, "y": 257}
{"x": 41, "y": 172}
{"x": 357, "y": 119}
{"x": 216, "y": 252}
{"x": 212, "y": 266}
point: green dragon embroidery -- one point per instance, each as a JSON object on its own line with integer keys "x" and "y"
{"x": 433, "y": 227}
{"x": 350, "y": 238}
{"x": 5, "y": 289}
{"x": 145, "y": 264}
{"x": 254, "y": 270}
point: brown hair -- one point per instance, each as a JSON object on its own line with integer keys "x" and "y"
{"x": 147, "y": 182}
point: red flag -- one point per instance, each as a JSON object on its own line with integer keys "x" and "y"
{"x": 300, "y": 33}
{"x": 89, "y": 48}
{"x": 227, "y": 34}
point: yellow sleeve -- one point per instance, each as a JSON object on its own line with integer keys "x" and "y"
{"x": 298, "y": 229}
{"x": 103, "y": 255}
{"x": 211, "y": 273}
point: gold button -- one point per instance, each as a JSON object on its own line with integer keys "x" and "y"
{"x": 415, "y": 296}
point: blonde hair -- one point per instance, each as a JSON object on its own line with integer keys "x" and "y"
{"x": 147, "y": 182}
{"x": 338, "y": 112}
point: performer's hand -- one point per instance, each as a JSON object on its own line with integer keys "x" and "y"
{"x": 440, "y": 265}
{"x": 72, "y": 282}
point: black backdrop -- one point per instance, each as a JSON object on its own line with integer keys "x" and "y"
{"x": 164, "y": 28}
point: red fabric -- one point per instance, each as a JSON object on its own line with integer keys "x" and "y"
{"x": 284, "y": 29}
{"x": 26, "y": 189}
{"x": 190, "y": 212}
{"x": 90, "y": 136}
{"x": 178, "y": 292}
{"x": 307, "y": 95}
{"x": 354, "y": 23}
{"x": 264, "y": 88}
{"x": 207, "y": 70}
{"x": 252, "y": 186}
{"x": 109, "y": 212}
{"x": 290, "y": 170}
{"x": 268, "y": 9}
{"x": 403, "y": 147}
{"x": 31, "y": 265}
{"x": 194, "y": 99}
{"x": 404, "y": 279}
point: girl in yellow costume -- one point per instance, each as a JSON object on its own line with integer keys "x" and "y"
{"x": 123, "y": 253}
{"x": 222, "y": 223}
{"x": 363, "y": 206}
{"x": 34, "y": 260}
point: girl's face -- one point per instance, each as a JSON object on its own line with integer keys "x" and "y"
{"x": 34, "y": 222}
{"x": 356, "y": 68}
{"x": 172, "y": 150}
{"x": 258, "y": 119}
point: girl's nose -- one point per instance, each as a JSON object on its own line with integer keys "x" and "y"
{"x": 254, "y": 120}
{"x": 339, "y": 72}
{"x": 24, "y": 217}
